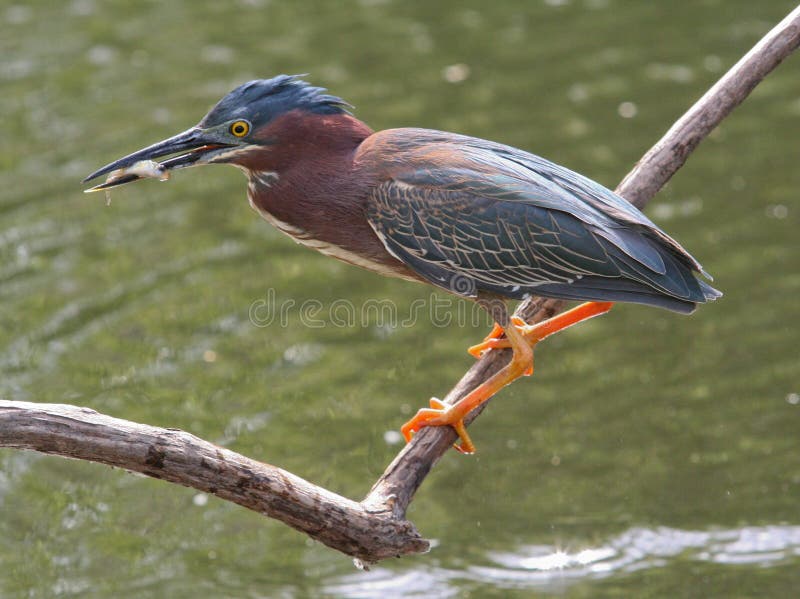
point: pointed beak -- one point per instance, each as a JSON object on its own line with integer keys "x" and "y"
{"x": 194, "y": 147}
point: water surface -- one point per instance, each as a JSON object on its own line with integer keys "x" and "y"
{"x": 651, "y": 455}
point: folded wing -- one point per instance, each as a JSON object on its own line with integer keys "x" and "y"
{"x": 487, "y": 218}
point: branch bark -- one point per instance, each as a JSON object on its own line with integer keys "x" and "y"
{"x": 179, "y": 457}
{"x": 375, "y": 528}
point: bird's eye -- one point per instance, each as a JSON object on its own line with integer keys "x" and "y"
{"x": 240, "y": 128}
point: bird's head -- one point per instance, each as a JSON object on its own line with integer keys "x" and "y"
{"x": 240, "y": 128}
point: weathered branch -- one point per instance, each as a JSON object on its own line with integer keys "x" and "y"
{"x": 375, "y": 528}
{"x": 182, "y": 458}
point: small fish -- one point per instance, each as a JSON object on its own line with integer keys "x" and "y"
{"x": 144, "y": 169}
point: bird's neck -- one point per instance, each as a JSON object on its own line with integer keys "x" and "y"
{"x": 303, "y": 139}
{"x": 312, "y": 191}
{"x": 307, "y": 164}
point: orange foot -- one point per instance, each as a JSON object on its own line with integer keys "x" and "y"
{"x": 440, "y": 414}
{"x": 496, "y": 340}
{"x": 534, "y": 333}
{"x": 521, "y": 338}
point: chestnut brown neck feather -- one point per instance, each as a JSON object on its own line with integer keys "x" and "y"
{"x": 306, "y": 184}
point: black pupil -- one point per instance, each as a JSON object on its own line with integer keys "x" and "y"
{"x": 238, "y": 129}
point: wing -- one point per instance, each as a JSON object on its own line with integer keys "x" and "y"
{"x": 476, "y": 217}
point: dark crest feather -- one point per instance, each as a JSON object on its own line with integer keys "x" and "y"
{"x": 261, "y": 100}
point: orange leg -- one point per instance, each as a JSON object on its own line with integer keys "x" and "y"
{"x": 440, "y": 414}
{"x": 521, "y": 338}
{"x": 536, "y": 332}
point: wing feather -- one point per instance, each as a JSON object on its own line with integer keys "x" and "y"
{"x": 458, "y": 210}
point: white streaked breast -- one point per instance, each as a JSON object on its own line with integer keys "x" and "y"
{"x": 301, "y": 236}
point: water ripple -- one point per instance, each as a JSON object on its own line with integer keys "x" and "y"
{"x": 79, "y": 319}
{"x": 551, "y": 568}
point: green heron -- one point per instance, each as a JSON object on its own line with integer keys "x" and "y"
{"x": 479, "y": 219}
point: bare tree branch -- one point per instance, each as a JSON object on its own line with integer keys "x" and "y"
{"x": 182, "y": 458}
{"x": 375, "y": 528}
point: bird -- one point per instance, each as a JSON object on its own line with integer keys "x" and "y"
{"x": 479, "y": 219}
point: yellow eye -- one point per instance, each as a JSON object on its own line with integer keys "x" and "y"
{"x": 240, "y": 128}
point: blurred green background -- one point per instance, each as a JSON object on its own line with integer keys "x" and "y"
{"x": 651, "y": 455}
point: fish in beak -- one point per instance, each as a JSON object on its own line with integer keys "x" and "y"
{"x": 193, "y": 147}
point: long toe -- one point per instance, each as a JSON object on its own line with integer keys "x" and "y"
{"x": 496, "y": 339}
{"x": 440, "y": 414}
{"x": 496, "y": 334}
{"x": 477, "y": 350}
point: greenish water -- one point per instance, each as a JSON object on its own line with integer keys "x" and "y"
{"x": 651, "y": 455}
